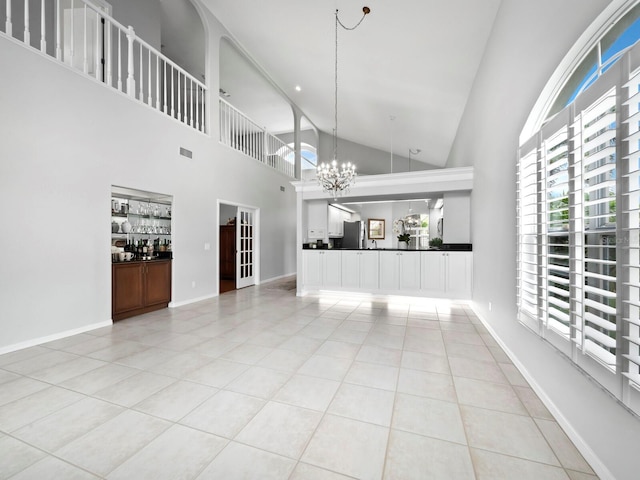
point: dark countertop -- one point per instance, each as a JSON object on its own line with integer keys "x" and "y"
{"x": 152, "y": 260}
{"x": 386, "y": 249}
{"x": 453, "y": 249}
{"x": 446, "y": 247}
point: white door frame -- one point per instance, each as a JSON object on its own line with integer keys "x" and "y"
{"x": 68, "y": 19}
{"x": 245, "y": 253}
{"x": 256, "y": 239}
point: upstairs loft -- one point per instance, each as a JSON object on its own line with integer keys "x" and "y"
{"x": 84, "y": 36}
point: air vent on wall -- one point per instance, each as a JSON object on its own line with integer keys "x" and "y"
{"x": 186, "y": 153}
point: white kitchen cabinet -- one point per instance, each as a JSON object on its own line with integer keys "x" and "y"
{"x": 360, "y": 270}
{"x": 400, "y": 271}
{"x": 432, "y": 272}
{"x": 389, "y": 271}
{"x": 335, "y": 221}
{"x": 447, "y": 274}
{"x": 459, "y": 274}
{"x": 409, "y": 270}
{"x": 369, "y": 270}
{"x": 322, "y": 268}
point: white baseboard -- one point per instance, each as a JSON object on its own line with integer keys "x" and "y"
{"x": 590, "y": 456}
{"x": 273, "y": 279}
{"x": 56, "y": 336}
{"x": 192, "y": 300}
{"x": 213, "y": 295}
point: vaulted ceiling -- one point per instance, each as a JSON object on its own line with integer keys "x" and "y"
{"x": 404, "y": 75}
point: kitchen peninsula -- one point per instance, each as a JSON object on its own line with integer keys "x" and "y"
{"x": 427, "y": 273}
{"x": 445, "y": 273}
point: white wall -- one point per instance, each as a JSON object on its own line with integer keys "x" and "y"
{"x": 528, "y": 42}
{"x": 382, "y": 211}
{"x": 227, "y": 212}
{"x": 457, "y": 217}
{"x": 317, "y": 215}
{"x": 369, "y": 161}
{"x": 64, "y": 144}
{"x": 143, "y": 15}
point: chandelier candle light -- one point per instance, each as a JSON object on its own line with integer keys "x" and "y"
{"x": 335, "y": 179}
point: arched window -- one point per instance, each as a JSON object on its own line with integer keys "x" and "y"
{"x": 618, "y": 39}
{"x": 578, "y": 204}
{"x": 308, "y": 155}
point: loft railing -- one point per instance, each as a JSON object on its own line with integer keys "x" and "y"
{"x": 85, "y": 37}
{"x": 241, "y": 133}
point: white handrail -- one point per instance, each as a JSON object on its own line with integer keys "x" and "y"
{"x": 89, "y": 40}
{"x": 241, "y": 133}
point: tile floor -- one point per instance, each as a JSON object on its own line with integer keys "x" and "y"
{"x": 260, "y": 384}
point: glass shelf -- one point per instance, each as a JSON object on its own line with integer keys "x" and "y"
{"x": 141, "y": 215}
{"x": 139, "y": 233}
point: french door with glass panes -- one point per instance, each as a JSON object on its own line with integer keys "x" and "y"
{"x": 245, "y": 251}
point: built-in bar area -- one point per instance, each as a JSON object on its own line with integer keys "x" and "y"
{"x": 396, "y": 234}
{"x": 141, "y": 252}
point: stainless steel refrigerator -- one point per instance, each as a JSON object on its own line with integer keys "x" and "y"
{"x": 354, "y": 235}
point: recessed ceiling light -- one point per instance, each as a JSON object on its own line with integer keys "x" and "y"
{"x": 298, "y": 89}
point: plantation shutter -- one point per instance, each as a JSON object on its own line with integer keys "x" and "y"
{"x": 527, "y": 231}
{"x": 555, "y": 231}
{"x": 580, "y": 211}
{"x": 630, "y": 215}
{"x": 597, "y": 125}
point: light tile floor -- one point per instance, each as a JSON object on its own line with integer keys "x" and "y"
{"x": 258, "y": 383}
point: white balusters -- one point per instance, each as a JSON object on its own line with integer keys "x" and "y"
{"x": 244, "y": 135}
{"x": 81, "y": 35}
{"x": 173, "y": 110}
{"x": 149, "y": 99}
{"x": 58, "y": 32}
{"x": 73, "y": 32}
{"x": 179, "y": 96}
{"x": 85, "y": 47}
{"x": 141, "y": 79}
{"x": 8, "y": 27}
{"x": 197, "y": 125}
{"x": 131, "y": 82}
{"x": 108, "y": 59}
{"x": 43, "y": 30}
{"x": 98, "y": 48}
{"x": 27, "y": 34}
{"x": 164, "y": 73}
{"x": 157, "y": 82}
{"x": 203, "y": 106}
{"x": 189, "y": 92}
{"x": 119, "y": 60}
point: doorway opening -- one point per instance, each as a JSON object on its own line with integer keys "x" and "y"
{"x": 237, "y": 246}
{"x": 86, "y": 37}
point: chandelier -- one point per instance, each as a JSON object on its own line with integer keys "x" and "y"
{"x": 334, "y": 178}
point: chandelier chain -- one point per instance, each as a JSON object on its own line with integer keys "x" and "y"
{"x": 335, "y": 110}
{"x": 365, "y": 11}
{"x": 333, "y": 178}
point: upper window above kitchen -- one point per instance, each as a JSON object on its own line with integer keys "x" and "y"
{"x": 308, "y": 155}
